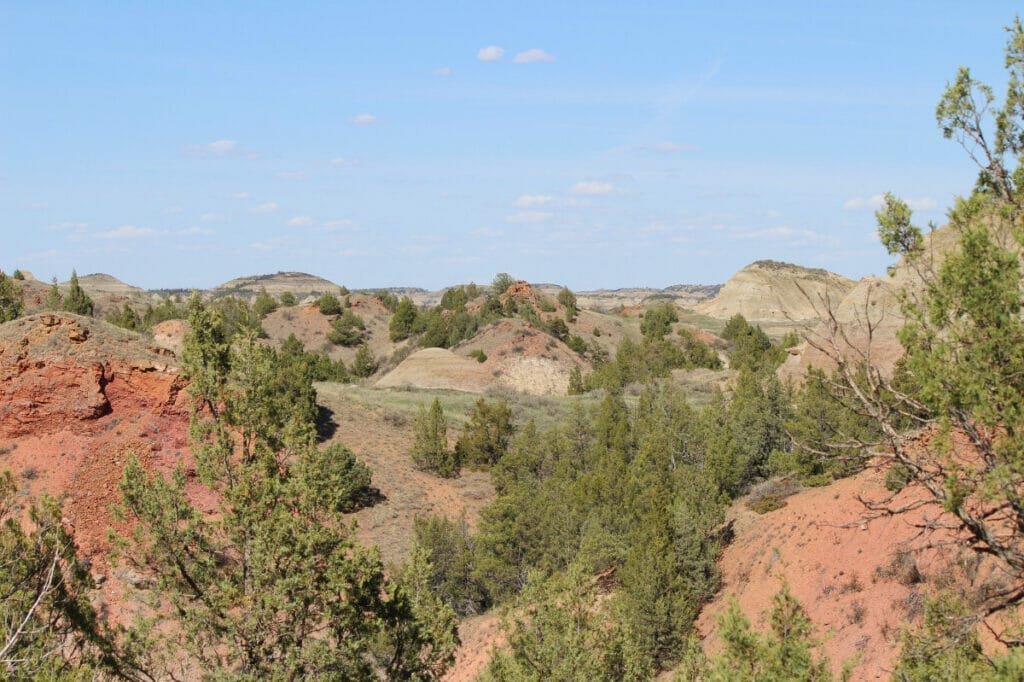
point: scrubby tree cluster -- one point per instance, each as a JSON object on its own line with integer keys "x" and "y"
{"x": 274, "y": 585}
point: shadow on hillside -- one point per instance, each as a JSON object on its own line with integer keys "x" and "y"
{"x": 326, "y": 427}
{"x": 370, "y": 497}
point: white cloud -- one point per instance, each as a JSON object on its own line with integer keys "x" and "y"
{"x": 875, "y": 202}
{"x": 923, "y": 204}
{"x": 300, "y": 221}
{"x": 860, "y": 203}
{"x": 533, "y": 56}
{"x": 194, "y": 231}
{"x": 125, "y": 232}
{"x": 785, "y": 233}
{"x": 673, "y": 147}
{"x": 491, "y": 53}
{"x": 262, "y": 246}
{"x": 217, "y": 149}
{"x": 341, "y": 162}
{"x": 291, "y": 175}
{"x": 593, "y": 188}
{"x": 343, "y": 224}
{"x": 488, "y": 232}
{"x": 527, "y": 200}
{"x": 68, "y": 227}
{"x": 37, "y": 205}
{"x": 773, "y": 214}
{"x": 529, "y": 217}
{"x": 211, "y": 218}
{"x": 174, "y": 210}
{"x": 364, "y": 119}
{"x": 241, "y": 196}
{"x": 268, "y": 207}
{"x": 444, "y": 71}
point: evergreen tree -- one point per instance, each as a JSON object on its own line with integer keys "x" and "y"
{"x": 568, "y": 301}
{"x": 125, "y": 317}
{"x": 558, "y": 633}
{"x": 329, "y": 304}
{"x": 485, "y": 439}
{"x": 48, "y": 628}
{"x": 274, "y": 585}
{"x": 364, "y": 364}
{"x": 348, "y": 330}
{"x": 430, "y": 450}
{"x": 403, "y": 322}
{"x": 657, "y": 321}
{"x": 77, "y": 301}
{"x": 264, "y": 304}
{"x": 784, "y": 654}
{"x": 448, "y": 548}
{"x": 11, "y": 299}
{"x": 54, "y": 299}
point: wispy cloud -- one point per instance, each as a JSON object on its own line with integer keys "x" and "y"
{"x": 343, "y": 224}
{"x": 268, "y": 207}
{"x": 533, "y": 56}
{"x": 241, "y": 196}
{"x": 219, "y": 149}
{"x": 593, "y": 188}
{"x": 342, "y": 162}
{"x": 875, "y": 202}
{"x": 488, "y": 232}
{"x": 300, "y": 221}
{"x": 444, "y": 71}
{"x": 364, "y": 119}
{"x": 174, "y": 210}
{"x": 125, "y": 232}
{"x": 491, "y": 53}
{"x": 211, "y": 217}
{"x": 527, "y": 200}
{"x": 194, "y": 231}
{"x": 529, "y": 217}
{"x": 291, "y": 175}
{"x": 672, "y": 147}
{"x": 68, "y": 227}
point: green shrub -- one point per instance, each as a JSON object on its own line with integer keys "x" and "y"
{"x": 329, "y": 304}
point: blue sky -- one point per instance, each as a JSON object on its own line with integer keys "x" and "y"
{"x": 596, "y": 144}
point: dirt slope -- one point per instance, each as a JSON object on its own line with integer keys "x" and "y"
{"x": 859, "y": 581}
{"x": 518, "y": 356}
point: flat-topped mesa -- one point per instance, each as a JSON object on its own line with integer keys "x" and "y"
{"x": 300, "y": 284}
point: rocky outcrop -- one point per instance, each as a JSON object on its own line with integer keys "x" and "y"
{"x": 55, "y": 370}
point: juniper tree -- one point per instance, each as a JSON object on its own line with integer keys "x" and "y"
{"x": 11, "y": 299}
{"x": 273, "y": 585}
{"x": 430, "y": 450}
{"x": 77, "y": 301}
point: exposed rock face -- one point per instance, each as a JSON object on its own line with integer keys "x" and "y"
{"x": 77, "y": 398}
{"x": 772, "y": 292}
{"x": 53, "y": 369}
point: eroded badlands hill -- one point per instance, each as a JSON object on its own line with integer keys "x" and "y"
{"x": 776, "y": 294}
